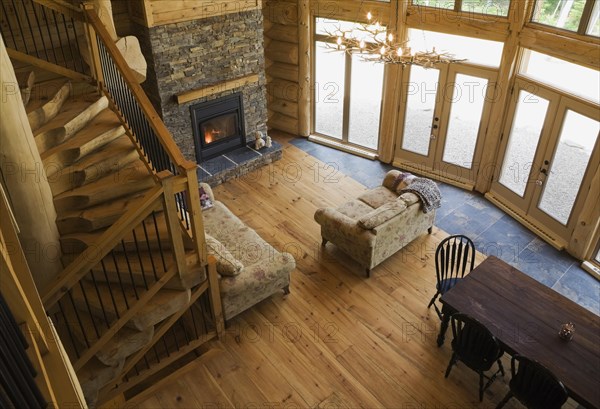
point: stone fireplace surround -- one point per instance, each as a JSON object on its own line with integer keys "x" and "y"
{"x": 204, "y": 53}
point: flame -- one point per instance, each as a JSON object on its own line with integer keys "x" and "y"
{"x": 211, "y": 135}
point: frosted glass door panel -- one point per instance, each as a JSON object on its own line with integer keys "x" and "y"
{"x": 465, "y": 118}
{"x": 366, "y": 88}
{"x": 330, "y": 71}
{"x": 420, "y": 108}
{"x": 575, "y": 145}
{"x": 523, "y": 141}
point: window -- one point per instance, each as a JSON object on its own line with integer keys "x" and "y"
{"x": 347, "y": 90}
{"x": 579, "y": 16}
{"x": 572, "y": 78}
{"x": 474, "y": 50}
{"x": 489, "y": 7}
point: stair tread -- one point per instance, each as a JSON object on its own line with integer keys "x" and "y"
{"x": 46, "y": 102}
{"x": 95, "y": 217}
{"x": 107, "y": 159}
{"x": 162, "y": 305}
{"x": 74, "y": 115}
{"x": 94, "y": 375}
{"x": 125, "y": 342}
{"x": 44, "y": 91}
{"x": 102, "y": 129}
{"x": 129, "y": 180}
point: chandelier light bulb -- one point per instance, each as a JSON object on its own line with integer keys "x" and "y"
{"x": 382, "y": 51}
{"x": 339, "y": 41}
{"x": 391, "y": 38}
{"x": 362, "y": 44}
{"x": 369, "y": 16}
{"x": 400, "y": 52}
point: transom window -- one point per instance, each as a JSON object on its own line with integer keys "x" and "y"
{"x": 490, "y": 7}
{"x": 580, "y": 16}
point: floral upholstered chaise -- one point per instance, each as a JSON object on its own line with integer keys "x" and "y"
{"x": 250, "y": 269}
{"x": 377, "y": 224}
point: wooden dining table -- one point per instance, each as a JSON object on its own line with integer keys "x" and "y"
{"x": 526, "y": 317}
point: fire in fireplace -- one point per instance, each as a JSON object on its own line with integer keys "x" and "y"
{"x": 218, "y": 126}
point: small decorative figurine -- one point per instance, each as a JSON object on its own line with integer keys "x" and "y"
{"x": 258, "y": 140}
{"x": 269, "y": 142}
{"x": 567, "y": 331}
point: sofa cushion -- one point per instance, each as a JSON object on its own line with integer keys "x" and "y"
{"x": 382, "y": 214}
{"x": 354, "y": 209}
{"x": 378, "y": 197}
{"x": 227, "y": 264}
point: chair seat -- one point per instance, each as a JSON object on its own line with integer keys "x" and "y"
{"x": 447, "y": 284}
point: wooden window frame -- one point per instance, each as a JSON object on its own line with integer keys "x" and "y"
{"x": 583, "y": 22}
{"x": 458, "y": 9}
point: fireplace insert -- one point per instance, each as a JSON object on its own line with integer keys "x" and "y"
{"x": 218, "y": 126}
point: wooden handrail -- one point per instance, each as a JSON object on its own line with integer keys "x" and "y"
{"x": 107, "y": 241}
{"x": 62, "y": 7}
{"x": 163, "y": 134}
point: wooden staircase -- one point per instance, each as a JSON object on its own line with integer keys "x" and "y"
{"x": 136, "y": 295}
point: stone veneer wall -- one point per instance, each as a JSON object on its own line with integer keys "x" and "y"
{"x": 201, "y": 53}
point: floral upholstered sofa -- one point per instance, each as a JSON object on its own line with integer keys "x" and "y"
{"x": 377, "y": 224}
{"x": 250, "y": 269}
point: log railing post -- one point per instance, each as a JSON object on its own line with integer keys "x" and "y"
{"x": 172, "y": 217}
{"x": 215, "y": 296}
{"x": 195, "y": 211}
{"x": 94, "y": 54}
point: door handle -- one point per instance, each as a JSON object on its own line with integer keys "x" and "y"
{"x": 544, "y": 171}
{"x": 539, "y": 182}
{"x": 432, "y": 137}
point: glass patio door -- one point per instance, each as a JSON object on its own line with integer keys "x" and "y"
{"x": 445, "y": 120}
{"x": 549, "y": 153}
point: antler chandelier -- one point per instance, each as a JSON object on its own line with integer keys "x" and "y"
{"x": 374, "y": 44}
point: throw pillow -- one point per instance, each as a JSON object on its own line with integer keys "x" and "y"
{"x": 227, "y": 264}
{"x": 205, "y": 201}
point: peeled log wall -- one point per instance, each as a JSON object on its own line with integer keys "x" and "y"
{"x": 281, "y": 63}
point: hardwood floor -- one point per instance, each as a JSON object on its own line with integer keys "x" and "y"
{"x": 339, "y": 339}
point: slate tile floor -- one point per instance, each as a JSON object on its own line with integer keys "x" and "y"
{"x": 493, "y": 231}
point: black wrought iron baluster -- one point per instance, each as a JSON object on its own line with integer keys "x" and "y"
{"x": 39, "y": 27}
{"x": 139, "y": 255}
{"x": 123, "y": 293}
{"x": 9, "y": 25}
{"x": 59, "y": 37}
{"x": 166, "y": 347}
{"x": 79, "y": 54}
{"x": 159, "y": 241}
{"x": 150, "y": 252}
{"x": 87, "y": 304}
{"x": 184, "y": 329}
{"x": 20, "y": 27}
{"x": 194, "y": 322}
{"x": 117, "y": 270}
{"x": 76, "y": 311}
{"x": 112, "y": 296}
{"x": 68, "y": 326}
{"x": 100, "y": 299}
{"x": 126, "y": 255}
{"x": 72, "y": 54}
{"x": 174, "y": 334}
{"x": 50, "y": 34}
{"x": 37, "y": 52}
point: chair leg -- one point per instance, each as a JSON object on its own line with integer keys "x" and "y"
{"x": 451, "y": 364}
{"x": 480, "y": 386}
{"x": 324, "y": 241}
{"x": 430, "y": 230}
{"x": 286, "y": 290}
{"x": 501, "y": 367}
{"x": 506, "y": 398}
{"x": 433, "y": 300}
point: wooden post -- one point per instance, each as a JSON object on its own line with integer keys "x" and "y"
{"x": 215, "y": 295}
{"x": 26, "y": 183}
{"x": 304, "y": 64}
{"x": 508, "y": 64}
{"x": 195, "y": 213}
{"x": 172, "y": 218}
{"x": 93, "y": 59}
{"x": 388, "y": 132}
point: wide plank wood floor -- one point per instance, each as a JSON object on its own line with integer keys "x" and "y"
{"x": 339, "y": 340}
